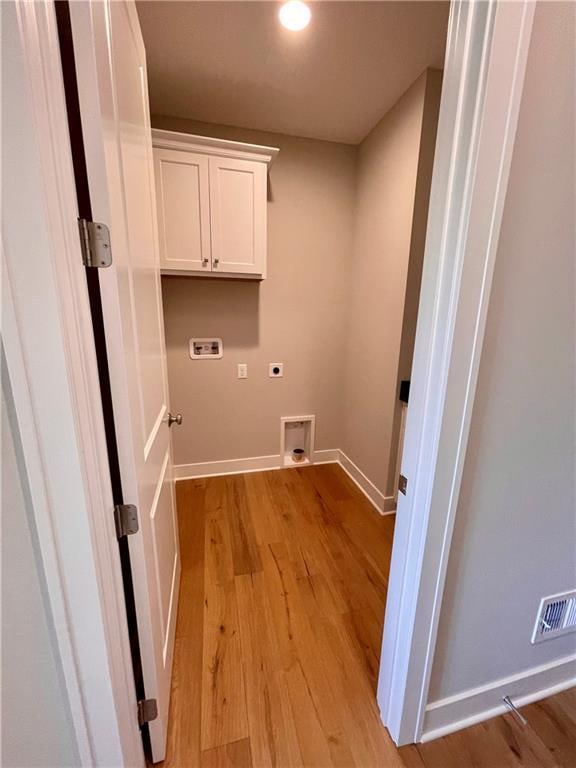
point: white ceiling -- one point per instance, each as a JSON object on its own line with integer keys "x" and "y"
{"x": 232, "y": 62}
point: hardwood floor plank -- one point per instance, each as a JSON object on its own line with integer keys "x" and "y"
{"x": 368, "y": 739}
{"x": 488, "y": 747}
{"x": 319, "y": 597}
{"x": 267, "y": 527}
{"x": 223, "y": 700}
{"x": 365, "y": 633}
{"x": 286, "y": 608}
{"x": 524, "y": 742}
{"x": 245, "y": 555}
{"x": 183, "y": 743}
{"x": 322, "y": 673}
{"x": 331, "y": 550}
{"x": 218, "y": 562}
{"x": 411, "y": 757}
{"x": 313, "y": 743}
{"x": 296, "y": 530}
{"x": 555, "y": 728}
{"x": 234, "y": 755}
{"x": 350, "y": 553}
{"x": 566, "y": 700}
{"x": 443, "y": 753}
{"x": 330, "y": 482}
{"x": 272, "y": 730}
{"x": 309, "y": 521}
{"x": 190, "y": 498}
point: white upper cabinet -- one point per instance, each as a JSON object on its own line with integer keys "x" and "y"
{"x": 211, "y": 198}
{"x": 182, "y": 192}
{"x": 238, "y": 215}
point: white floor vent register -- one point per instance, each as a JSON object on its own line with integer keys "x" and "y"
{"x": 557, "y": 616}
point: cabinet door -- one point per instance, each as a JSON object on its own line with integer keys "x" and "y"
{"x": 238, "y": 215}
{"x": 183, "y": 199}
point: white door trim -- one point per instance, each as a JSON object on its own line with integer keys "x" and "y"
{"x": 483, "y": 79}
{"x": 59, "y": 415}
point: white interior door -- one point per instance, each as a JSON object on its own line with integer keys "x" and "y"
{"x": 238, "y": 215}
{"x": 183, "y": 209}
{"x": 112, "y": 86}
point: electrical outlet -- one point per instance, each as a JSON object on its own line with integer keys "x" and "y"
{"x": 276, "y": 370}
{"x": 242, "y": 371}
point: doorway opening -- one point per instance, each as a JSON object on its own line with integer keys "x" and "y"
{"x": 320, "y": 322}
{"x": 268, "y": 255}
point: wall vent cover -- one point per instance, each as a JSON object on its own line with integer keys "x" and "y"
{"x": 557, "y": 616}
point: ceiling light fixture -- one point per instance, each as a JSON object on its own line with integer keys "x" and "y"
{"x": 294, "y": 15}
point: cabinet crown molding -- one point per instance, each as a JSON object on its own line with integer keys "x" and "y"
{"x": 188, "y": 142}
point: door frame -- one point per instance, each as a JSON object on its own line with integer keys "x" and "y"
{"x": 51, "y": 363}
{"x": 95, "y": 28}
{"x": 483, "y": 79}
{"x": 486, "y": 55}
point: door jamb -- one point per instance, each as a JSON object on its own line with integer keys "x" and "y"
{"x": 67, "y": 55}
{"x": 67, "y": 458}
{"x": 483, "y": 80}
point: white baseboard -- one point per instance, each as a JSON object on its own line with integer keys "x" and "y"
{"x": 227, "y": 467}
{"x": 241, "y": 466}
{"x": 384, "y": 504}
{"x": 478, "y": 704}
{"x": 327, "y": 457}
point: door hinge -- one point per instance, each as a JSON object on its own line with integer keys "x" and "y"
{"x": 126, "y": 519}
{"x": 402, "y": 484}
{"x": 95, "y": 243}
{"x": 147, "y": 711}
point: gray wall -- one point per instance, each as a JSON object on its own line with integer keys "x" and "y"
{"x": 295, "y": 316}
{"x": 515, "y": 535}
{"x": 36, "y": 723}
{"x": 394, "y": 163}
{"x": 340, "y": 234}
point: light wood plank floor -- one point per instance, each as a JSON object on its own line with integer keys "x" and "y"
{"x": 284, "y": 578}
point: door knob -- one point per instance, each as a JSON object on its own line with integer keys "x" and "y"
{"x": 174, "y": 419}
